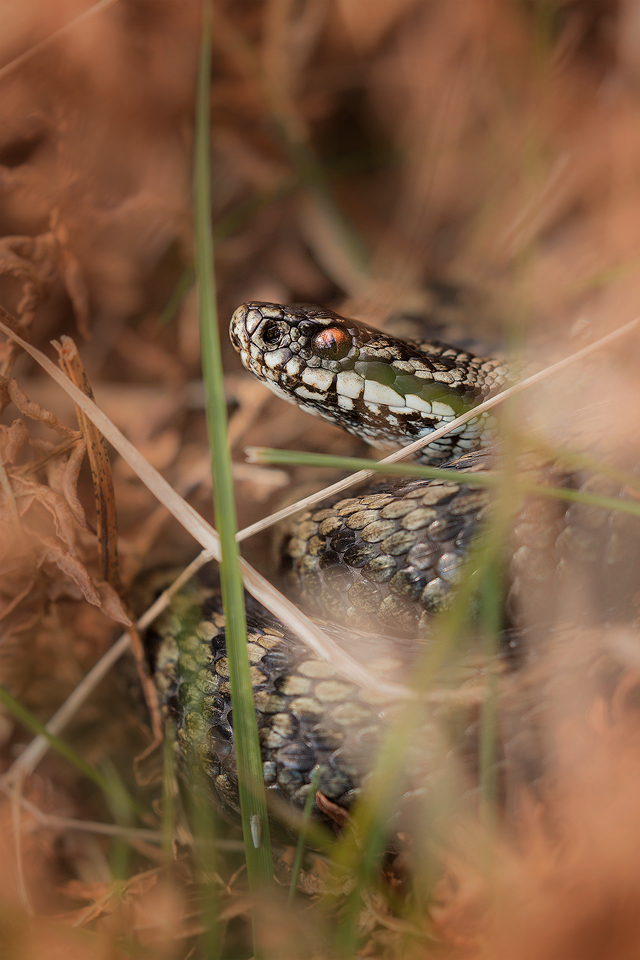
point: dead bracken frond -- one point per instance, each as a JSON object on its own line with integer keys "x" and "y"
{"x": 47, "y": 549}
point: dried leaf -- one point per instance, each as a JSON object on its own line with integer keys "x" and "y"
{"x": 56, "y": 505}
{"x": 35, "y": 412}
{"x": 75, "y": 283}
{"x": 72, "y": 568}
{"x": 62, "y": 476}
{"x": 111, "y": 604}
{"x": 13, "y": 440}
{"x": 71, "y": 363}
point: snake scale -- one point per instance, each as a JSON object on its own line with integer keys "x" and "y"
{"x": 380, "y": 565}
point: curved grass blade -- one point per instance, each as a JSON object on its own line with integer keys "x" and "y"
{"x": 302, "y": 836}
{"x": 249, "y": 761}
{"x": 183, "y": 284}
{"x": 27, "y": 719}
{"x": 267, "y": 455}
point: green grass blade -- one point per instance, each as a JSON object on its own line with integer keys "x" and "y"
{"x": 120, "y": 848}
{"x": 268, "y": 455}
{"x": 363, "y": 849}
{"x": 310, "y": 172}
{"x": 168, "y": 788}
{"x": 490, "y": 619}
{"x": 179, "y": 292}
{"x": 27, "y": 719}
{"x": 193, "y": 737}
{"x": 490, "y": 623}
{"x": 242, "y": 211}
{"x": 302, "y": 836}
{"x": 203, "y": 823}
{"x": 249, "y": 761}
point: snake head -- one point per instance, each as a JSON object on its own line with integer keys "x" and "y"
{"x": 275, "y": 341}
{"x": 385, "y": 390}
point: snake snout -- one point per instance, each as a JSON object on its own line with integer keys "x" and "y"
{"x": 238, "y": 327}
{"x": 260, "y": 324}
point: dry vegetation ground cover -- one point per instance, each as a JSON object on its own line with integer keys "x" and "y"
{"x": 474, "y": 160}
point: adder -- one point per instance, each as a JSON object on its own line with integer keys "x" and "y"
{"x": 379, "y": 567}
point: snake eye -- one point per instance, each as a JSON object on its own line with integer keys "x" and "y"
{"x": 333, "y": 343}
{"x": 271, "y": 333}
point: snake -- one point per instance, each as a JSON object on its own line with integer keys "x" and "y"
{"x": 378, "y": 568}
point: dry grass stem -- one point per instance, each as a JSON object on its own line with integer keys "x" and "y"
{"x": 33, "y": 51}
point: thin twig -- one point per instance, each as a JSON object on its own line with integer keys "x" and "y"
{"x": 47, "y": 41}
{"x": 53, "y": 821}
{"x": 16, "y": 798}
{"x": 85, "y": 826}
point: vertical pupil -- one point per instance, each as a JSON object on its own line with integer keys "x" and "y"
{"x": 333, "y": 343}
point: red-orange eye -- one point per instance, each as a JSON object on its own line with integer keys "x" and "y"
{"x": 333, "y": 343}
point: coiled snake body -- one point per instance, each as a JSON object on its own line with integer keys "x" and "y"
{"x": 381, "y": 564}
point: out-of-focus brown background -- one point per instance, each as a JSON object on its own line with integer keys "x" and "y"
{"x": 477, "y": 161}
